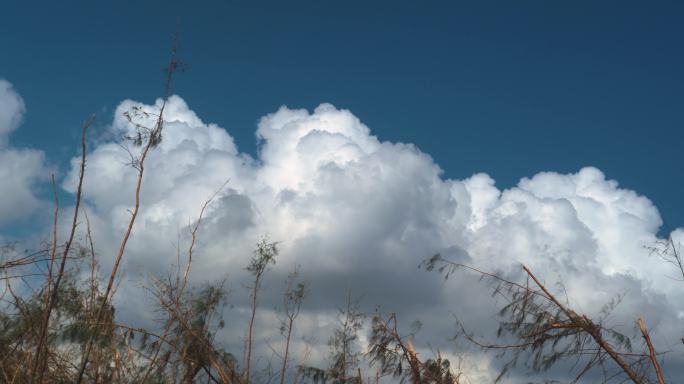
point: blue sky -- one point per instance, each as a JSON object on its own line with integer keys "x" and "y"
{"x": 490, "y": 93}
{"x": 507, "y": 88}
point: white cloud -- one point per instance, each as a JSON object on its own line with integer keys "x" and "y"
{"x": 11, "y": 110}
{"x": 359, "y": 213}
{"x": 21, "y": 169}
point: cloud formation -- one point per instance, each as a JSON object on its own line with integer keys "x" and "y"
{"x": 22, "y": 169}
{"x": 12, "y": 110}
{"x": 360, "y": 214}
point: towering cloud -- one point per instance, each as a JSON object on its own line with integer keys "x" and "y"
{"x": 360, "y": 214}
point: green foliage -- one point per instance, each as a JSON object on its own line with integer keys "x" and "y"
{"x": 264, "y": 255}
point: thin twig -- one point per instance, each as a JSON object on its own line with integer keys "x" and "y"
{"x": 38, "y": 368}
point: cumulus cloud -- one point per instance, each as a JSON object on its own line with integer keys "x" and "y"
{"x": 360, "y": 214}
{"x": 21, "y": 168}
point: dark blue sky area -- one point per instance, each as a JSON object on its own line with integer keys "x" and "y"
{"x": 510, "y": 88}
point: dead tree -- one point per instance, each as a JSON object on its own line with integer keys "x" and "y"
{"x": 264, "y": 255}
{"x": 396, "y": 356}
{"x": 344, "y": 357}
{"x": 52, "y": 293}
{"x": 292, "y": 304}
{"x": 147, "y": 138}
{"x": 546, "y": 331}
